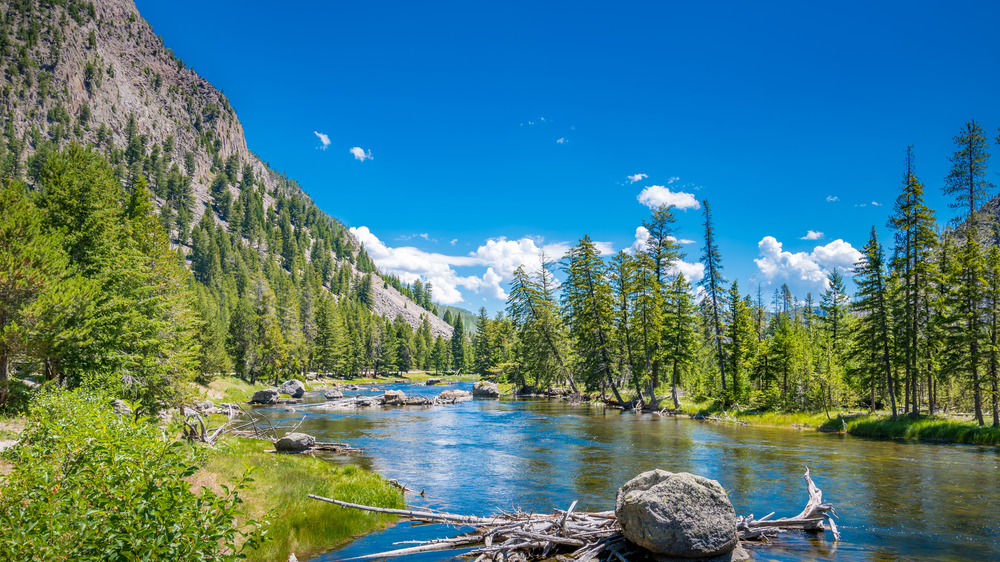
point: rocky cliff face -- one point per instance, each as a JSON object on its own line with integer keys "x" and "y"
{"x": 97, "y": 73}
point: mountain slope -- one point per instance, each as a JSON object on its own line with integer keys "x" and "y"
{"x": 97, "y": 73}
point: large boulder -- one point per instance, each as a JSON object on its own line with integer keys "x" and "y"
{"x": 417, "y": 400}
{"x": 293, "y": 388}
{"x": 265, "y": 396}
{"x": 295, "y": 442}
{"x": 432, "y": 382}
{"x": 332, "y": 394}
{"x": 394, "y": 398}
{"x": 454, "y": 395}
{"x": 677, "y": 515}
{"x": 486, "y": 389}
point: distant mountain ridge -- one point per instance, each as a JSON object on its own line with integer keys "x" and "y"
{"x": 97, "y": 73}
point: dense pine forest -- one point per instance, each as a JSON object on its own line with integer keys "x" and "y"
{"x": 919, "y": 335}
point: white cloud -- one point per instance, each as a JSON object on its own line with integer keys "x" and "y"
{"x": 656, "y": 195}
{"x": 804, "y": 272}
{"x": 832, "y": 198}
{"x": 876, "y": 204}
{"x": 672, "y": 180}
{"x": 561, "y": 140}
{"x": 410, "y": 263}
{"x": 506, "y": 255}
{"x": 453, "y": 241}
{"x": 641, "y": 237}
{"x": 693, "y": 272}
{"x": 812, "y": 235}
{"x": 499, "y": 256}
{"x": 637, "y": 177}
{"x": 605, "y": 248}
{"x": 324, "y": 139}
{"x": 360, "y": 154}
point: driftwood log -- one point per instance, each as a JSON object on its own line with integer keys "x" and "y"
{"x": 570, "y": 535}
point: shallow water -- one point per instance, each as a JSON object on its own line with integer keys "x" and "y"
{"x": 896, "y": 500}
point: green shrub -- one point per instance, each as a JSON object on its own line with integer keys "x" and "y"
{"x": 89, "y": 484}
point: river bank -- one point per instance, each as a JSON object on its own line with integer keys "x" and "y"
{"x": 279, "y": 490}
{"x": 932, "y": 429}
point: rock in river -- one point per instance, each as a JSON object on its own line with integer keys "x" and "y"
{"x": 332, "y": 393}
{"x": 454, "y": 395}
{"x": 295, "y": 442}
{"x": 432, "y": 382}
{"x": 293, "y": 388}
{"x": 394, "y": 398}
{"x": 486, "y": 389}
{"x": 677, "y": 514}
{"x": 266, "y": 396}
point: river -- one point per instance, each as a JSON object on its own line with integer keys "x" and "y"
{"x": 896, "y": 500}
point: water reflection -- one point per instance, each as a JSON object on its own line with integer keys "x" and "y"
{"x": 896, "y": 500}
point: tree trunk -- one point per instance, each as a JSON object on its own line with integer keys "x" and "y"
{"x": 673, "y": 387}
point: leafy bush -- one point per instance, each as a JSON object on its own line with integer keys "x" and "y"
{"x": 92, "y": 485}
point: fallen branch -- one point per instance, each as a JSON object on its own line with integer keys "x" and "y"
{"x": 569, "y": 536}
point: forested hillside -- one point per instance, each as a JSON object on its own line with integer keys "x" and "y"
{"x": 95, "y": 105}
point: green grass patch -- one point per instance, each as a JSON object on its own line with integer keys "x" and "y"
{"x": 232, "y": 389}
{"x": 923, "y": 428}
{"x": 281, "y": 484}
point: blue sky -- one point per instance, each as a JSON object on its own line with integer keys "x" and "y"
{"x": 482, "y": 132}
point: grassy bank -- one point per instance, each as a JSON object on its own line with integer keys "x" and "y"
{"x": 281, "y": 484}
{"x": 942, "y": 429}
{"x": 882, "y": 426}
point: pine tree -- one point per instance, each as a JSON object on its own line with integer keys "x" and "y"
{"x": 872, "y": 334}
{"x": 714, "y": 283}
{"x": 586, "y": 303}
{"x": 32, "y": 265}
{"x": 458, "y": 344}
{"x": 916, "y": 241}
{"x": 967, "y": 179}
{"x": 648, "y": 322}
{"x": 483, "y": 347}
{"x": 964, "y": 335}
{"x": 740, "y": 345}
{"x": 679, "y": 333}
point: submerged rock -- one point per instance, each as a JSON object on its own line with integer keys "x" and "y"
{"x": 394, "y": 398}
{"x": 293, "y": 388}
{"x": 265, "y": 396}
{"x": 677, "y": 515}
{"x": 295, "y": 442}
{"x": 486, "y": 389}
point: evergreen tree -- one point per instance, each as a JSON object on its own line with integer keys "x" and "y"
{"x": 586, "y": 303}
{"x": 967, "y": 179}
{"x": 872, "y": 334}
{"x": 714, "y": 283}
{"x": 458, "y": 344}
{"x": 679, "y": 332}
{"x": 916, "y": 240}
{"x": 740, "y": 345}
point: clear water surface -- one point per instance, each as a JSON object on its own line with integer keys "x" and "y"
{"x": 897, "y": 500}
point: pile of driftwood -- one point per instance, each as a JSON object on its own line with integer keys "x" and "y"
{"x": 812, "y": 518}
{"x": 569, "y": 535}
